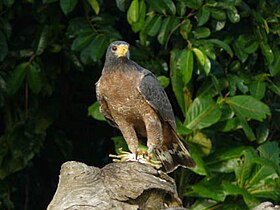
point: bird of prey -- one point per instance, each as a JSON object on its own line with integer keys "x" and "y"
{"x": 132, "y": 99}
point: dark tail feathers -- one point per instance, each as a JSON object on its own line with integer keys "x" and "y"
{"x": 173, "y": 155}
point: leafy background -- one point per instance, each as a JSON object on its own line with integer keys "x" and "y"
{"x": 219, "y": 62}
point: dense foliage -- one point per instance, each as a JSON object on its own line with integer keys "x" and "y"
{"x": 218, "y": 60}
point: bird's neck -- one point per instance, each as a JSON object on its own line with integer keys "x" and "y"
{"x": 116, "y": 64}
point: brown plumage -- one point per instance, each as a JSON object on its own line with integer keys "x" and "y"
{"x": 132, "y": 99}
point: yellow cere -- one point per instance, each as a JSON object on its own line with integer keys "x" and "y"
{"x": 122, "y": 50}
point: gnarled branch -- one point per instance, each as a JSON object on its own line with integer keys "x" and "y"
{"x": 129, "y": 185}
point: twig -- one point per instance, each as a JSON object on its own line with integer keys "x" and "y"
{"x": 88, "y": 18}
{"x": 172, "y": 31}
{"x": 176, "y": 27}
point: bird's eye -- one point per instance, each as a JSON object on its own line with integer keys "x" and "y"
{"x": 114, "y": 48}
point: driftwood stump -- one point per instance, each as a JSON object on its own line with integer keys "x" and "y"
{"x": 128, "y": 186}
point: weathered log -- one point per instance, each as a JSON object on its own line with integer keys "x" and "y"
{"x": 129, "y": 185}
{"x": 267, "y": 206}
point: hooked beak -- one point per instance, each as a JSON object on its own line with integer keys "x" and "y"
{"x": 122, "y": 50}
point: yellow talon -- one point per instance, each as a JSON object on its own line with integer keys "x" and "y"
{"x": 142, "y": 156}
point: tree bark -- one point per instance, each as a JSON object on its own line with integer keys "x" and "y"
{"x": 128, "y": 185}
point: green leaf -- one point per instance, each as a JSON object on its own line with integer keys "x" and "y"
{"x": 119, "y": 142}
{"x": 163, "y": 80}
{"x": 95, "y": 50}
{"x": 235, "y": 66}
{"x": 3, "y": 47}
{"x": 78, "y": 26}
{"x": 34, "y": 78}
{"x": 226, "y": 159}
{"x": 233, "y": 15}
{"x": 122, "y": 4}
{"x": 67, "y": 6}
{"x": 201, "y": 32}
{"x": 137, "y": 26}
{"x": 237, "y": 82}
{"x": 185, "y": 63}
{"x": 267, "y": 52}
{"x": 219, "y": 25}
{"x": 251, "y": 46}
{"x": 186, "y": 28}
{"x": 98, "y": 47}
{"x": 170, "y": 6}
{"x": 158, "y": 6}
{"x": 263, "y": 131}
{"x": 154, "y": 25}
{"x": 208, "y": 49}
{"x": 94, "y": 5}
{"x": 82, "y": 41}
{"x": 203, "y": 15}
{"x": 268, "y": 188}
{"x": 94, "y": 112}
{"x": 204, "y": 204}
{"x": 42, "y": 41}
{"x": 200, "y": 56}
{"x": 248, "y": 107}
{"x": 227, "y": 125}
{"x": 16, "y": 79}
{"x": 181, "y": 8}
{"x": 203, "y": 143}
{"x": 246, "y": 128}
{"x": 244, "y": 171}
{"x": 273, "y": 87}
{"x": 194, "y": 4}
{"x": 270, "y": 151}
{"x": 218, "y": 14}
{"x": 264, "y": 169}
{"x": 133, "y": 12}
{"x": 222, "y": 44}
{"x": 164, "y": 30}
{"x": 233, "y": 189}
{"x": 181, "y": 129}
{"x": 176, "y": 79}
{"x": 167, "y": 25}
{"x": 207, "y": 188}
{"x": 207, "y": 65}
{"x": 239, "y": 49}
{"x": 274, "y": 68}
{"x": 257, "y": 89}
{"x": 203, "y": 113}
{"x": 196, "y": 155}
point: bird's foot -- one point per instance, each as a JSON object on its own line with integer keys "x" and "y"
{"x": 142, "y": 156}
{"x": 124, "y": 156}
{"x": 150, "y": 161}
{"x": 149, "y": 157}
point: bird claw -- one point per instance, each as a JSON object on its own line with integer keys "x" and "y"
{"x": 142, "y": 156}
{"x": 124, "y": 156}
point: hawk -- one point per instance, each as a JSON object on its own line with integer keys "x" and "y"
{"x": 132, "y": 99}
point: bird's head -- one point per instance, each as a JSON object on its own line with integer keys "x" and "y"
{"x": 118, "y": 49}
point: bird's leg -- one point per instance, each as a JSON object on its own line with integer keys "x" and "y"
{"x": 151, "y": 149}
{"x": 154, "y": 131}
{"x": 154, "y": 136}
{"x": 131, "y": 139}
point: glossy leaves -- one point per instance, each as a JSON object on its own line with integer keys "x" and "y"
{"x": 203, "y": 112}
{"x": 67, "y": 6}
